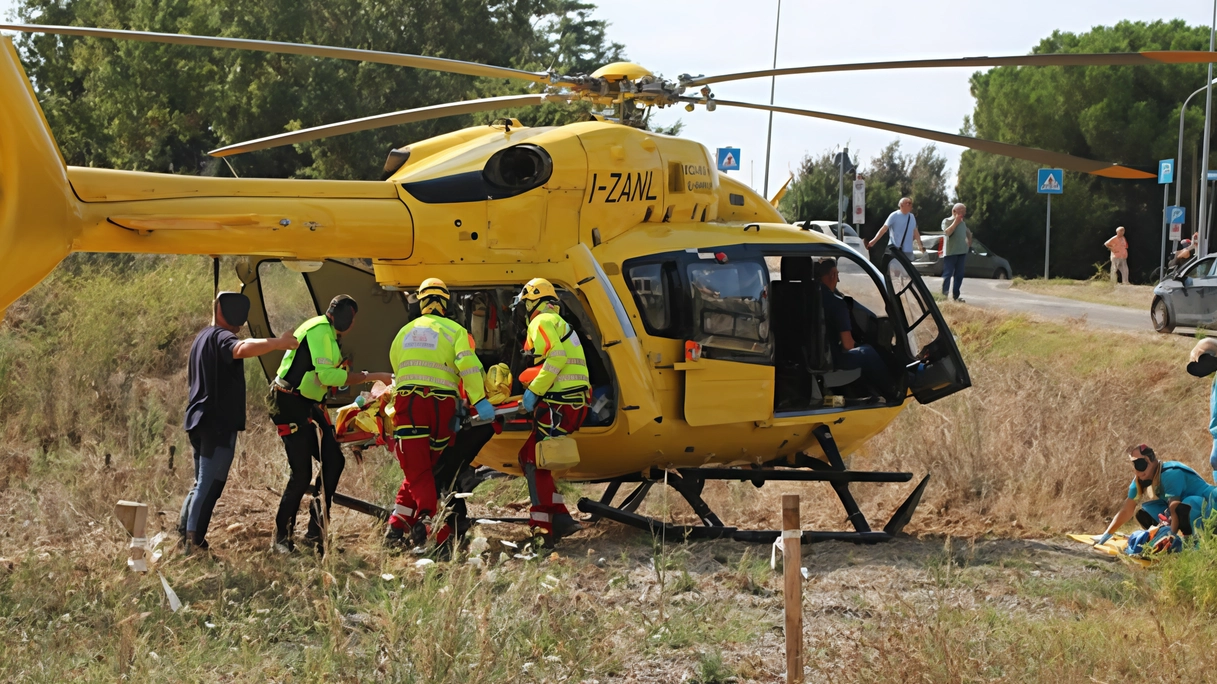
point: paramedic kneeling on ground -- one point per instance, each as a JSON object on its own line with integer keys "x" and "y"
{"x": 1163, "y": 486}
{"x": 846, "y": 353}
{"x": 298, "y": 411}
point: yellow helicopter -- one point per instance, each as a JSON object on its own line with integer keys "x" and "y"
{"x": 712, "y": 359}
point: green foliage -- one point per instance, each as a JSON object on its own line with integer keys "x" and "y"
{"x": 153, "y": 107}
{"x": 1122, "y": 114}
{"x": 890, "y": 176}
{"x": 84, "y": 355}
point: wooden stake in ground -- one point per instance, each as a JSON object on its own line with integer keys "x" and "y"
{"x": 134, "y": 517}
{"x": 792, "y": 555}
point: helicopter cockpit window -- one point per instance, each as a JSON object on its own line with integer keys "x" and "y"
{"x": 285, "y": 295}
{"x": 730, "y": 308}
{"x": 922, "y": 328}
{"x": 656, "y": 289}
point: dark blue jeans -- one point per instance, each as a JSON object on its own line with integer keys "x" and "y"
{"x": 864, "y": 357}
{"x": 212, "y": 459}
{"x": 952, "y": 267}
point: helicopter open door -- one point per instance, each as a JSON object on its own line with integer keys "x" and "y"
{"x": 282, "y": 299}
{"x": 637, "y": 399}
{"x": 938, "y": 369}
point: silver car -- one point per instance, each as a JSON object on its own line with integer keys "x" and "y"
{"x": 847, "y": 234}
{"x": 1188, "y": 298}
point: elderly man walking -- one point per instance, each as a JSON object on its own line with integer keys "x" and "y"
{"x": 1119, "y": 255}
{"x": 957, "y": 239}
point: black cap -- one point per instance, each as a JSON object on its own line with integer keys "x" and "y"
{"x": 234, "y": 306}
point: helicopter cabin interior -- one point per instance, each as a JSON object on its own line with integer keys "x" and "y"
{"x": 282, "y": 298}
{"x": 764, "y": 305}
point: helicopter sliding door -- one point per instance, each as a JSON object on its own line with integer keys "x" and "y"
{"x": 733, "y": 380}
{"x": 281, "y": 299}
{"x": 938, "y": 369}
{"x": 637, "y": 399}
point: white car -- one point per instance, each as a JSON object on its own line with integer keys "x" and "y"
{"x": 847, "y": 234}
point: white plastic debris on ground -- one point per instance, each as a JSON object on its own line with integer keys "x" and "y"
{"x": 175, "y": 603}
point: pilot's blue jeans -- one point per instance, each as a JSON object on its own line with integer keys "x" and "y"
{"x": 865, "y": 357}
{"x": 952, "y": 267}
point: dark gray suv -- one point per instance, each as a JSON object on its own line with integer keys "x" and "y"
{"x": 981, "y": 262}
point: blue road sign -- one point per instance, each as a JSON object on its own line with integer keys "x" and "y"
{"x": 1175, "y": 214}
{"x": 1212, "y": 175}
{"x": 1166, "y": 171}
{"x": 728, "y": 159}
{"x": 1049, "y": 181}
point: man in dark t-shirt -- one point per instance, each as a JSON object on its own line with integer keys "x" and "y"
{"x": 215, "y": 409}
{"x": 847, "y": 354}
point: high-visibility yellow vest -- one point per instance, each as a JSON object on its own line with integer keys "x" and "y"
{"x": 325, "y": 355}
{"x": 437, "y": 352}
{"x": 558, "y": 347}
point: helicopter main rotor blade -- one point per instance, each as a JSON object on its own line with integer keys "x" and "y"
{"x": 1053, "y": 159}
{"x": 1057, "y": 59}
{"x": 384, "y": 120}
{"x": 399, "y": 59}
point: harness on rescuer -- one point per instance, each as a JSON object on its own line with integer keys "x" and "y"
{"x": 557, "y": 394}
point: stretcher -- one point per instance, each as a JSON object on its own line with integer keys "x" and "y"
{"x": 1113, "y": 547}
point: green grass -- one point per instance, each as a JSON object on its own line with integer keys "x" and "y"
{"x": 1096, "y": 291}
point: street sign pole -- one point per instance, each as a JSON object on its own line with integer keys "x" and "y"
{"x": 1047, "y": 236}
{"x": 1162, "y": 252}
{"x": 1166, "y": 174}
{"x": 1049, "y": 182}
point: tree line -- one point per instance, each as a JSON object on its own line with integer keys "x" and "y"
{"x": 1122, "y": 114}
{"x": 154, "y": 107}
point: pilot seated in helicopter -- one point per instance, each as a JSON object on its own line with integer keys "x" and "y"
{"x": 847, "y": 353}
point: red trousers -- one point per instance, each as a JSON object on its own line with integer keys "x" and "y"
{"x": 423, "y": 429}
{"x": 549, "y": 420}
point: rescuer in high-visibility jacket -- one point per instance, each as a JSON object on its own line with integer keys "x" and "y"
{"x": 557, "y": 397}
{"x": 433, "y": 358}
{"x": 298, "y": 411}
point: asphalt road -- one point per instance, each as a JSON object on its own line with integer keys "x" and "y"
{"x": 997, "y": 294}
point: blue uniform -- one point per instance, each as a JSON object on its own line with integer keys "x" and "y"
{"x": 1213, "y": 427}
{"x": 1177, "y": 482}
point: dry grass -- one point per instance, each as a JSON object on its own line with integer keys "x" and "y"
{"x": 1095, "y": 291}
{"x": 1035, "y": 448}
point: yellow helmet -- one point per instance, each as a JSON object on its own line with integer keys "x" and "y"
{"x": 433, "y": 296}
{"x": 536, "y": 291}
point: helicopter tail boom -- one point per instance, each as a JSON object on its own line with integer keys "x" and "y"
{"x": 39, "y": 214}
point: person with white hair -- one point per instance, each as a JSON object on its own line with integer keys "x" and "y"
{"x": 1118, "y": 246}
{"x": 957, "y": 242}
{"x": 903, "y": 227}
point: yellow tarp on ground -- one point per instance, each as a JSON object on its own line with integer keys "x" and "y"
{"x": 1113, "y": 547}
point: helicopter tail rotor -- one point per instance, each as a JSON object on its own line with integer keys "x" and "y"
{"x": 38, "y": 214}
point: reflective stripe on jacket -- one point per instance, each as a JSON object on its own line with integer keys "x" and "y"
{"x": 558, "y": 347}
{"x": 326, "y": 357}
{"x": 432, "y": 351}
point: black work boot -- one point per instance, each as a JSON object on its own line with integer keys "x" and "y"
{"x": 283, "y": 544}
{"x": 395, "y": 538}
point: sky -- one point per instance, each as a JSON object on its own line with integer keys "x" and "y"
{"x": 719, "y": 36}
{"x": 724, "y": 36}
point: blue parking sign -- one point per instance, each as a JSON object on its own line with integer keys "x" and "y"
{"x": 1175, "y": 214}
{"x": 728, "y": 159}
{"x": 1166, "y": 171}
{"x": 1049, "y": 181}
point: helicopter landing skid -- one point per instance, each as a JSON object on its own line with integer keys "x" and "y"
{"x": 688, "y": 482}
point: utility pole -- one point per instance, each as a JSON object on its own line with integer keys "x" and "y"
{"x": 1204, "y": 162}
{"x": 841, "y": 190}
{"x": 773, "y": 82}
